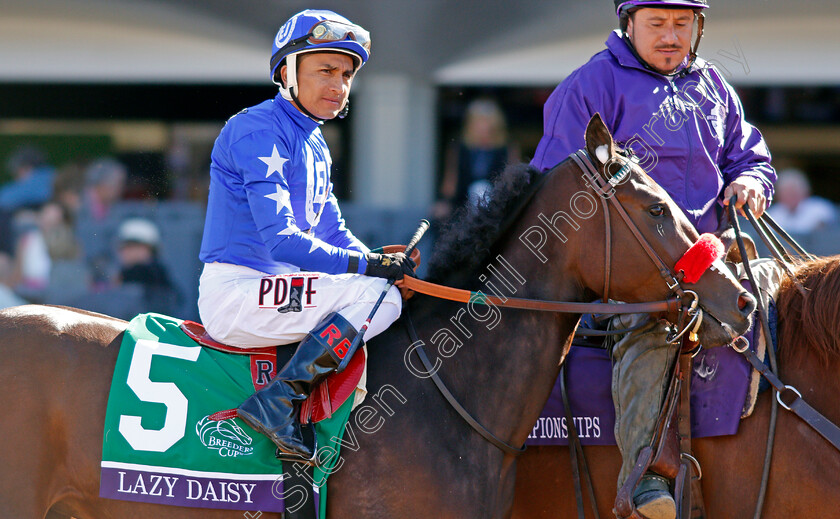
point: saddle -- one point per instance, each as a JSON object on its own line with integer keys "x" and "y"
{"x": 328, "y": 396}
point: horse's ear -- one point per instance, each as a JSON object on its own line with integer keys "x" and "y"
{"x": 599, "y": 142}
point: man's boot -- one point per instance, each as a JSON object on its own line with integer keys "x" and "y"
{"x": 275, "y": 409}
{"x": 642, "y": 362}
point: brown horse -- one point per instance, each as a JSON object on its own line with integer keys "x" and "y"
{"x": 805, "y": 469}
{"x": 422, "y": 460}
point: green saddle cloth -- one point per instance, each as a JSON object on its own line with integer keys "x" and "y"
{"x": 161, "y": 447}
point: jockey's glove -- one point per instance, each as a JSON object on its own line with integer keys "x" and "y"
{"x": 389, "y": 266}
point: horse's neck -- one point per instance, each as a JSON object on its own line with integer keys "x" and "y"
{"x": 507, "y": 366}
{"x": 500, "y": 363}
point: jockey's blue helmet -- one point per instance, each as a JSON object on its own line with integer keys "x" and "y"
{"x": 315, "y": 30}
{"x": 622, "y": 5}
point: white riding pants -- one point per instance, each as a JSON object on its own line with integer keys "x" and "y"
{"x": 238, "y": 305}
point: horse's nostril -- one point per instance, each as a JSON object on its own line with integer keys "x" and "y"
{"x": 746, "y": 303}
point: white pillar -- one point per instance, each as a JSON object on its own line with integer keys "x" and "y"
{"x": 393, "y": 142}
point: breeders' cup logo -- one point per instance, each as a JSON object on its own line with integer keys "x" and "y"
{"x": 224, "y": 436}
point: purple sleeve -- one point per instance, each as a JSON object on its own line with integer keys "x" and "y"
{"x": 745, "y": 152}
{"x": 565, "y": 117}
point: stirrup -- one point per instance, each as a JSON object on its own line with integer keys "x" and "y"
{"x": 307, "y": 431}
{"x": 653, "y": 498}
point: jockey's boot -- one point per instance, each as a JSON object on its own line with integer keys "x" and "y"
{"x": 642, "y": 362}
{"x": 275, "y": 409}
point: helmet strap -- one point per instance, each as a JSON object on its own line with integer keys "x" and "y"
{"x": 287, "y": 86}
{"x": 692, "y": 56}
{"x": 289, "y": 90}
{"x": 346, "y": 110}
{"x": 303, "y": 109}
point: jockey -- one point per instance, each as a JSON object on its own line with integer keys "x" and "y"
{"x": 686, "y": 125}
{"x": 279, "y": 264}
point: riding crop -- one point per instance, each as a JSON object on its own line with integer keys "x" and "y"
{"x": 424, "y": 225}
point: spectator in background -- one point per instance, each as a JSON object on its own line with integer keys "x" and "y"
{"x": 471, "y": 164}
{"x": 68, "y": 187}
{"x": 56, "y": 224}
{"x": 32, "y": 180}
{"x": 33, "y": 263}
{"x": 7, "y": 296}
{"x": 795, "y": 209}
{"x": 105, "y": 180}
{"x": 141, "y": 283}
{"x": 58, "y": 217}
{"x": 137, "y": 249}
{"x": 30, "y": 186}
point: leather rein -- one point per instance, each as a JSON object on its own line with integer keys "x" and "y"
{"x": 797, "y": 405}
{"x": 605, "y": 190}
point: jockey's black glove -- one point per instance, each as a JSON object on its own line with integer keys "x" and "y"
{"x": 389, "y": 266}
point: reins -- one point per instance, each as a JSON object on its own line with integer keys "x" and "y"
{"x": 468, "y": 296}
{"x": 798, "y": 406}
{"x": 480, "y": 429}
{"x": 604, "y": 189}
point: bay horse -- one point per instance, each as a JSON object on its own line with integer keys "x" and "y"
{"x": 421, "y": 460}
{"x": 805, "y": 468}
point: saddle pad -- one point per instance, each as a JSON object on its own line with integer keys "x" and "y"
{"x": 720, "y": 380}
{"x": 159, "y": 445}
{"x": 321, "y": 404}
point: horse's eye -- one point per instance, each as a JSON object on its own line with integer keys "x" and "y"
{"x": 657, "y": 210}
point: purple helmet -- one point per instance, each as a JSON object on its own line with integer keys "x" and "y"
{"x": 621, "y": 5}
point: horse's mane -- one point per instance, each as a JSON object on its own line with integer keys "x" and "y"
{"x": 466, "y": 240}
{"x": 811, "y": 320}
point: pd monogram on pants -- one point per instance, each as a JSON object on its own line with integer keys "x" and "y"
{"x": 287, "y": 294}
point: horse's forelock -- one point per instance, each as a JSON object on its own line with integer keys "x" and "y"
{"x": 811, "y": 320}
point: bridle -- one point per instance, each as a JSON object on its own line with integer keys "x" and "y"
{"x": 604, "y": 187}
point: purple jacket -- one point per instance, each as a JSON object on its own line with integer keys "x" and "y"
{"x": 689, "y": 132}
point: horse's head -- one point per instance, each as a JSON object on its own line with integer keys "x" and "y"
{"x": 636, "y": 275}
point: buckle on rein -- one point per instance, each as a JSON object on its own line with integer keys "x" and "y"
{"x": 693, "y": 311}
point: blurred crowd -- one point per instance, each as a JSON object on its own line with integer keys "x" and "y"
{"x": 59, "y": 243}
{"x": 63, "y": 239}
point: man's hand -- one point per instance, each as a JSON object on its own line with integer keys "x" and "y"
{"x": 750, "y": 191}
{"x": 389, "y": 266}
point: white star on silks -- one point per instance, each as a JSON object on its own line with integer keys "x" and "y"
{"x": 274, "y": 162}
{"x": 281, "y": 197}
{"x": 319, "y": 244}
{"x": 288, "y": 231}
